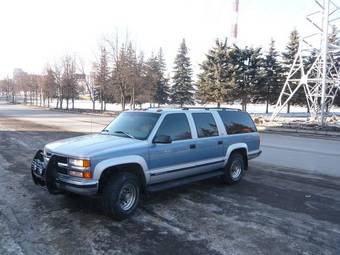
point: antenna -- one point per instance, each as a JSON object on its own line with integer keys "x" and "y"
{"x": 321, "y": 79}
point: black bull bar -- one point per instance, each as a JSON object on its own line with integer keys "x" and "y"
{"x": 45, "y": 176}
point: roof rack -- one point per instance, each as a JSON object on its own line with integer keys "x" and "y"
{"x": 211, "y": 108}
{"x": 159, "y": 109}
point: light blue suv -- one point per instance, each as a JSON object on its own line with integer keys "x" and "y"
{"x": 149, "y": 150}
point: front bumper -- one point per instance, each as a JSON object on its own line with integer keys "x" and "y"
{"x": 55, "y": 181}
{"x": 76, "y": 185}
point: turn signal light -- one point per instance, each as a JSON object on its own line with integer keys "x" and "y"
{"x": 86, "y": 163}
{"x": 87, "y": 175}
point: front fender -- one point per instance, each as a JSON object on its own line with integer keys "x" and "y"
{"x": 101, "y": 166}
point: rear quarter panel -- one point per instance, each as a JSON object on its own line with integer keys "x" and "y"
{"x": 252, "y": 140}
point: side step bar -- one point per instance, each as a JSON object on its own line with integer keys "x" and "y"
{"x": 178, "y": 182}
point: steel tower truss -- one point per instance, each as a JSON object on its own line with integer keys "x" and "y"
{"x": 320, "y": 78}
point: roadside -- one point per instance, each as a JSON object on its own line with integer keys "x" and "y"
{"x": 62, "y": 120}
{"x": 291, "y": 124}
{"x": 303, "y": 132}
{"x": 310, "y": 154}
{"x": 284, "y": 127}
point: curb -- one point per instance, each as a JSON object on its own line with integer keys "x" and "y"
{"x": 298, "y": 131}
{"x": 74, "y": 111}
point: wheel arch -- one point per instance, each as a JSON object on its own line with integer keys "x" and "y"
{"x": 133, "y": 164}
{"x": 241, "y": 148}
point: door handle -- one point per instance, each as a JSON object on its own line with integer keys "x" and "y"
{"x": 192, "y": 146}
{"x": 220, "y": 142}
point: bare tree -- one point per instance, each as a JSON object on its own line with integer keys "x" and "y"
{"x": 9, "y": 89}
{"x": 69, "y": 80}
{"x": 59, "y": 93}
{"x": 119, "y": 58}
{"x": 127, "y": 70}
{"x": 89, "y": 83}
{"x": 49, "y": 86}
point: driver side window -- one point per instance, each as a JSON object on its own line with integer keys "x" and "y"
{"x": 176, "y": 126}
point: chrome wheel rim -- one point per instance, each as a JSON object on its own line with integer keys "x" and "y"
{"x": 127, "y": 196}
{"x": 236, "y": 169}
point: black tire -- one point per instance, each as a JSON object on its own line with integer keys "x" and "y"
{"x": 116, "y": 199}
{"x": 232, "y": 175}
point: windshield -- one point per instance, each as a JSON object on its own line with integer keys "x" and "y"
{"x": 133, "y": 124}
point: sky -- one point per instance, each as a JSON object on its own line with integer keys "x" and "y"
{"x": 34, "y": 33}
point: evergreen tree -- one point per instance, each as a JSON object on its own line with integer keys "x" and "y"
{"x": 334, "y": 41}
{"x": 288, "y": 59}
{"x": 151, "y": 78}
{"x": 102, "y": 79}
{"x": 214, "y": 83}
{"x": 161, "y": 95}
{"x": 132, "y": 74}
{"x": 182, "y": 88}
{"x": 310, "y": 60}
{"x": 273, "y": 79}
{"x": 247, "y": 64}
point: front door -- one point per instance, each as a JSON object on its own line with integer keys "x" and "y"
{"x": 173, "y": 160}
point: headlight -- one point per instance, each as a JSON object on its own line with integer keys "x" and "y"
{"x": 80, "y": 168}
{"x": 79, "y": 162}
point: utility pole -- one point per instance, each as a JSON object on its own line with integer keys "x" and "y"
{"x": 234, "y": 26}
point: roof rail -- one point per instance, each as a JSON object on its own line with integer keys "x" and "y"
{"x": 212, "y": 108}
{"x": 159, "y": 109}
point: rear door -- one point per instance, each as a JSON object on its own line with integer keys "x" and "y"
{"x": 209, "y": 144}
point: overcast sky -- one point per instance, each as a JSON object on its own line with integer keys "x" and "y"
{"x": 36, "y": 32}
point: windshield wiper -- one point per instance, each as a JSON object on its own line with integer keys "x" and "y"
{"x": 124, "y": 133}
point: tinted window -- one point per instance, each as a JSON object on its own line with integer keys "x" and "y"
{"x": 176, "y": 126}
{"x": 135, "y": 124}
{"x": 205, "y": 124}
{"x": 237, "y": 122}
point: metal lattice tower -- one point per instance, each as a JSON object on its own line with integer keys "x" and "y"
{"x": 320, "y": 79}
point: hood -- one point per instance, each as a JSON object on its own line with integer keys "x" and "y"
{"x": 88, "y": 145}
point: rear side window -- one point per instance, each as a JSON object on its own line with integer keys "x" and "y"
{"x": 176, "y": 126}
{"x": 205, "y": 124}
{"x": 237, "y": 122}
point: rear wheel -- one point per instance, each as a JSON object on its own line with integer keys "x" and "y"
{"x": 121, "y": 195}
{"x": 234, "y": 170}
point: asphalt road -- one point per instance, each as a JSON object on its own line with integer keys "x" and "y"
{"x": 276, "y": 209}
{"x": 302, "y": 153}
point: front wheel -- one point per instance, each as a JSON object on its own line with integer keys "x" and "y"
{"x": 121, "y": 195}
{"x": 234, "y": 170}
